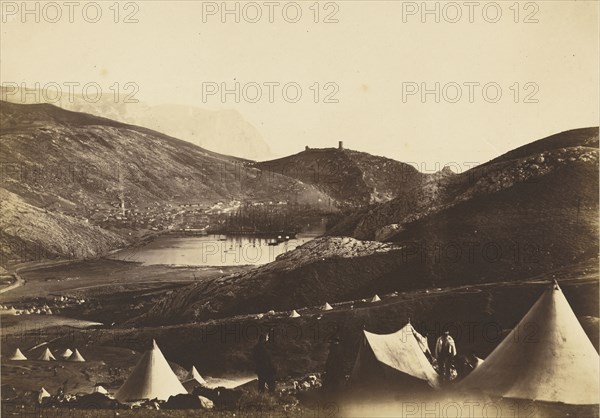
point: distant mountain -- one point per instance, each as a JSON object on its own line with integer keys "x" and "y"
{"x": 223, "y": 131}
{"x": 82, "y": 166}
{"x": 353, "y": 178}
{"x": 529, "y": 212}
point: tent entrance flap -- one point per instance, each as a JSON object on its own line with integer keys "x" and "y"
{"x": 394, "y": 359}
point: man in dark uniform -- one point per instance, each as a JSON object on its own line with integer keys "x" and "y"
{"x": 265, "y": 369}
{"x": 334, "y": 367}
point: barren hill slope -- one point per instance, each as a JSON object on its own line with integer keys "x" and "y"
{"x": 78, "y": 164}
{"x": 353, "y": 178}
{"x": 30, "y": 233}
{"x": 225, "y": 131}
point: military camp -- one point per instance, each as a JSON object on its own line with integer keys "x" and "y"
{"x": 534, "y": 362}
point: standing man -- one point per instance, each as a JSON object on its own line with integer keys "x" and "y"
{"x": 334, "y": 367}
{"x": 445, "y": 350}
{"x": 265, "y": 369}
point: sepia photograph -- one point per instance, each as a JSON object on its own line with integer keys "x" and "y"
{"x": 309, "y": 208}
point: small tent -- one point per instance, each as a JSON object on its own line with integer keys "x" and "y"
{"x": 327, "y": 307}
{"x": 43, "y": 393}
{"x": 18, "y": 355}
{"x": 393, "y": 361}
{"x": 100, "y": 389}
{"x": 376, "y": 299}
{"x": 194, "y": 375}
{"x": 294, "y": 314}
{"x": 546, "y": 357}
{"x": 65, "y": 354}
{"x": 11, "y": 311}
{"x": 193, "y": 379}
{"x": 76, "y": 356}
{"x": 151, "y": 378}
{"x": 46, "y": 355}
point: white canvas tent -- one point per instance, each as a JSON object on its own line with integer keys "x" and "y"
{"x": 43, "y": 393}
{"x": 193, "y": 379}
{"x": 65, "y": 354}
{"x": 76, "y": 356}
{"x": 151, "y": 378}
{"x": 376, "y": 299}
{"x": 46, "y": 355}
{"x": 546, "y": 357}
{"x": 327, "y": 307}
{"x": 11, "y": 311}
{"x": 194, "y": 375}
{"x": 18, "y": 355}
{"x": 294, "y": 314}
{"x": 394, "y": 359}
{"x": 100, "y": 389}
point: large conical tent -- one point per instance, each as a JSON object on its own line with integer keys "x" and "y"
{"x": 46, "y": 355}
{"x": 294, "y": 314}
{"x": 327, "y": 307}
{"x": 76, "y": 356}
{"x": 376, "y": 299}
{"x": 65, "y": 354}
{"x": 546, "y": 357}
{"x": 151, "y": 378}
{"x": 391, "y": 360}
{"x": 17, "y": 355}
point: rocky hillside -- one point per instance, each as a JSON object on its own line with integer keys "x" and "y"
{"x": 547, "y": 166}
{"x": 29, "y": 233}
{"x": 82, "y": 166}
{"x": 353, "y": 178}
{"x": 325, "y": 269}
{"x": 224, "y": 131}
{"x": 524, "y": 214}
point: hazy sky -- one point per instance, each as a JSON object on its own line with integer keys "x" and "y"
{"x": 373, "y": 53}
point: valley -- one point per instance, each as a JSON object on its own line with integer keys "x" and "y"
{"x": 209, "y": 251}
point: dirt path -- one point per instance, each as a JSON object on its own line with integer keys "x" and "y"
{"x": 18, "y": 282}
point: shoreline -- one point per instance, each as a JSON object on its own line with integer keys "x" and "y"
{"x": 142, "y": 241}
